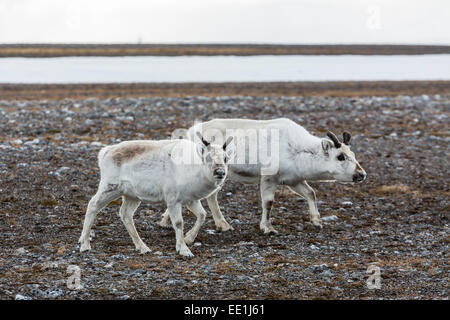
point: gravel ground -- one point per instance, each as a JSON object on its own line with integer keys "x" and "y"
{"x": 397, "y": 220}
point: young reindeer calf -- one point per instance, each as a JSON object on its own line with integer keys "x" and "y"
{"x": 178, "y": 172}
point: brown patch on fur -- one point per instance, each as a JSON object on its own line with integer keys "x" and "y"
{"x": 129, "y": 152}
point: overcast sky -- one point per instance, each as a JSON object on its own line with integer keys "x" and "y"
{"x": 225, "y": 21}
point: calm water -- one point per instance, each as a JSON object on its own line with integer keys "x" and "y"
{"x": 223, "y": 68}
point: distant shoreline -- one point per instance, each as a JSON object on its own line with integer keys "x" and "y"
{"x": 65, "y": 50}
{"x": 122, "y": 90}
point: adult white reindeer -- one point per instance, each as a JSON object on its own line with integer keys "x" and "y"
{"x": 178, "y": 172}
{"x": 292, "y": 157}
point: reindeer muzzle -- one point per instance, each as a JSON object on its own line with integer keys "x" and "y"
{"x": 219, "y": 173}
{"x": 359, "y": 176}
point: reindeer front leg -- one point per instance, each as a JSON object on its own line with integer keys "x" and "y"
{"x": 165, "y": 220}
{"x": 196, "y": 208}
{"x": 219, "y": 220}
{"x": 268, "y": 188}
{"x": 177, "y": 223}
{"x": 304, "y": 190}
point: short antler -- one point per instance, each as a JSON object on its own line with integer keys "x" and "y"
{"x": 227, "y": 143}
{"x": 206, "y": 143}
{"x": 333, "y": 137}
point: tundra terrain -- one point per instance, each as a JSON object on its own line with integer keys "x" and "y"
{"x": 397, "y": 220}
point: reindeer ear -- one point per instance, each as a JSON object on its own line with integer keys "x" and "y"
{"x": 227, "y": 143}
{"x": 333, "y": 137}
{"x": 205, "y": 143}
{"x": 346, "y": 137}
{"x": 326, "y": 146}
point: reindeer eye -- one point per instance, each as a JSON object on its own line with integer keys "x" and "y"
{"x": 341, "y": 157}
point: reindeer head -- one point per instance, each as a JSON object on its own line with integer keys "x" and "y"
{"x": 342, "y": 164}
{"x": 215, "y": 157}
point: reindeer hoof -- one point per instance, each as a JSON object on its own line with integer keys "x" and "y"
{"x": 185, "y": 252}
{"x": 223, "y": 227}
{"x": 269, "y": 230}
{"x": 85, "y": 247}
{"x": 144, "y": 250}
{"x": 318, "y": 226}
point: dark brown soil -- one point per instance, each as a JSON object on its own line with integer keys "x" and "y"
{"x": 333, "y": 89}
{"x": 58, "y": 50}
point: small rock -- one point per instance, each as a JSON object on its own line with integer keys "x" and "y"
{"x": 34, "y": 141}
{"x": 245, "y": 243}
{"x": 22, "y": 165}
{"x": 245, "y": 278}
{"x": 140, "y": 271}
{"x": 174, "y": 281}
{"x": 327, "y": 273}
{"x": 21, "y": 297}
{"x": 330, "y": 218}
{"x": 319, "y": 268}
{"x": 54, "y": 293}
{"x": 21, "y": 251}
{"x": 74, "y": 187}
{"x": 119, "y": 257}
{"x": 17, "y": 141}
